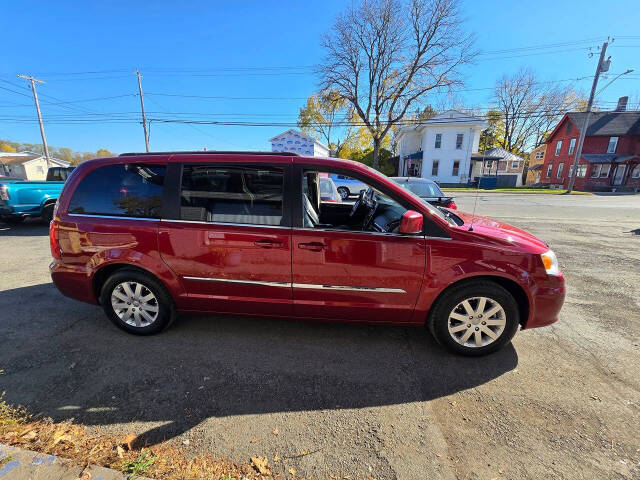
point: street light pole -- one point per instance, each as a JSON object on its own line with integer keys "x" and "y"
{"x": 602, "y": 67}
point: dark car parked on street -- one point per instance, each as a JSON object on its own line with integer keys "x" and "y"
{"x": 428, "y": 190}
{"x": 150, "y": 235}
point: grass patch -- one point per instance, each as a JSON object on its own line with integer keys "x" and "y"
{"x": 549, "y": 191}
{"x": 161, "y": 462}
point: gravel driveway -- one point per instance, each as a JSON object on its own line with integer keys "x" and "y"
{"x": 562, "y": 402}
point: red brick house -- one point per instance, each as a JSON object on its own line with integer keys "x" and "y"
{"x": 610, "y": 156}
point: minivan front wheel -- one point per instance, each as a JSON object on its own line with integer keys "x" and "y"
{"x": 475, "y": 318}
{"x": 137, "y": 303}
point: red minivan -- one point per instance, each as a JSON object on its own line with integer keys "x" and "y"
{"x": 148, "y": 236}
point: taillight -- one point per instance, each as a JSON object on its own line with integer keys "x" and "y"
{"x": 54, "y": 241}
{"x": 452, "y": 205}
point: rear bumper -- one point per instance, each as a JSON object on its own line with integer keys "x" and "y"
{"x": 73, "y": 282}
{"x": 547, "y": 302}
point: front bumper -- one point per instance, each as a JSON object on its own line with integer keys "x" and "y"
{"x": 547, "y": 302}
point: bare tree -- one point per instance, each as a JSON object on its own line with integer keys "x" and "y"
{"x": 530, "y": 109}
{"x": 383, "y": 55}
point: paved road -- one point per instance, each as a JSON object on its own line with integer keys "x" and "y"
{"x": 562, "y": 402}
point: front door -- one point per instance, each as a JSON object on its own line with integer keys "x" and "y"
{"x": 342, "y": 270}
{"x": 618, "y": 174}
{"x": 356, "y": 275}
{"x": 231, "y": 243}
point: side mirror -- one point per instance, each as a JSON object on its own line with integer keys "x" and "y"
{"x": 411, "y": 222}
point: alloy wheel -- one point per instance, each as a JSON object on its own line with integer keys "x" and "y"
{"x": 477, "y": 322}
{"x": 135, "y": 304}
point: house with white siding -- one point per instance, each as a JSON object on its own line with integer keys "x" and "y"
{"x": 440, "y": 148}
{"x": 297, "y": 142}
{"x": 28, "y": 165}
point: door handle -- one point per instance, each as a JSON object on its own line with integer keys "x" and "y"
{"x": 313, "y": 246}
{"x": 266, "y": 243}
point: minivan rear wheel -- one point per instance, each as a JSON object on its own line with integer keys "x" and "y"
{"x": 137, "y": 303}
{"x": 475, "y": 318}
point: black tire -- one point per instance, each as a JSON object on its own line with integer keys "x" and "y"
{"x": 344, "y": 192}
{"x": 166, "y": 308}
{"x": 47, "y": 213}
{"x": 438, "y": 321}
{"x": 13, "y": 220}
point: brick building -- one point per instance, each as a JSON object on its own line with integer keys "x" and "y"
{"x": 610, "y": 157}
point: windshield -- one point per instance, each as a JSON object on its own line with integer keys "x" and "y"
{"x": 423, "y": 189}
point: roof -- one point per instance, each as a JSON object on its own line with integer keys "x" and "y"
{"x": 497, "y": 153}
{"x": 606, "y": 157}
{"x": 605, "y": 123}
{"x": 296, "y": 132}
{"x": 17, "y": 158}
{"x": 537, "y": 166}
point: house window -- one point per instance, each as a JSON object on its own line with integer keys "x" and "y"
{"x": 549, "y": 169}
{"x": 560, "y": 169}
{"x": 635, "y": 173}
{"x": 539, "y": 154}
{"x": 581, "y": 171}
{"x": 613, "y": 144}
{"x": 456, "y": 168}
{"x": 604, "y": 173}
{"x": 515, "y": 164}
{"x": 570, "y": 171}
{"x": 438, "y": 140}
{"x": 459, "y": 139}
{"x": 595, "y": 171}
{"x": 434, "y": 168}
{"x": 572, "y": 146}
{"x": 569, "y": 126}
{"x": 558, "y": 147}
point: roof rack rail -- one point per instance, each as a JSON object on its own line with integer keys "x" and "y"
{"x": 205, "y": 152}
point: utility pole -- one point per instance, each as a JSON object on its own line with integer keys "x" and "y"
{"x": 603, "y": 66}
{"x": 33, "y": 82}
{"x": 144, "y": 118}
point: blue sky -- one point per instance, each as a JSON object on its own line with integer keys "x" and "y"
{"x": 193, "y": 47}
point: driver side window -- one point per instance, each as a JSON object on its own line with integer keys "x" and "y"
{"x": 338, "y": 202}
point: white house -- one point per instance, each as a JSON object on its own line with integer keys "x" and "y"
{"x": 29, "y": 165}
{"x": 297, "y": 142}
{"x": 440, "y": 148}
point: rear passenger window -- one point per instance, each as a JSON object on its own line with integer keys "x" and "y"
{"x": 250, "y": 195}
{"x": 120, "y": 190}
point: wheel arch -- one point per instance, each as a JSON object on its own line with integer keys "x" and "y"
{"x": 511, "y": 286}
{"x": 103, "y": 273}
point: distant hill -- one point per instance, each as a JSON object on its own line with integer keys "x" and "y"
{"x": 62, "y": 153}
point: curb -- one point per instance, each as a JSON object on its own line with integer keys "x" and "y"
{"x": 19, "y": 464}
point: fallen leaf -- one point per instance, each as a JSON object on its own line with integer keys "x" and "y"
{"x": 304, "y": 452}
{"x": 186, "y": 442}
{"x": 292, "y": 471}
{"x": 275, "y": 432}
{"x": 129, "y": 440}
{"x": 261, "y": 464}
{"x": 254, "y": 440}
{"x": 120, "y": 451}
{"x": 276, "y": 459}
{"x": 29, "y": 436}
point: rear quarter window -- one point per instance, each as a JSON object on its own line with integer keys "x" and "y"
{"x": 120, "y": 190}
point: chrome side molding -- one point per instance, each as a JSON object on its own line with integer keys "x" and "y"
{"x": 347, "y": 288}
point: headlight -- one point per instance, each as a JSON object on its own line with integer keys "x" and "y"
{"x": 4, "y": 192}
{"x": 550, "y": 262}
